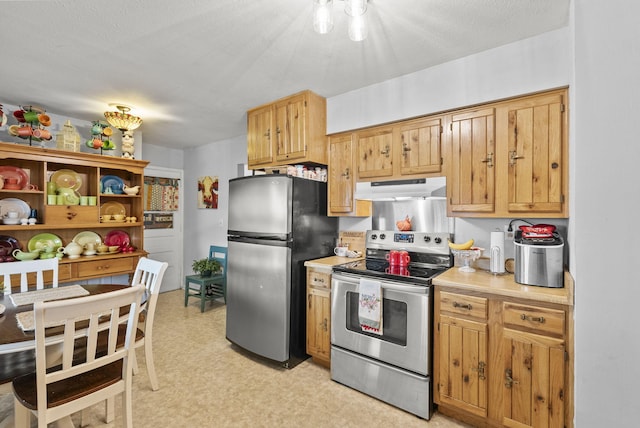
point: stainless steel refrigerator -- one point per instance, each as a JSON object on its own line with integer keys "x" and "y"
{"x": 276, "y": 223}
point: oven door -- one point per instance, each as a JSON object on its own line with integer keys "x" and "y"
{"x": 406, "y": 327}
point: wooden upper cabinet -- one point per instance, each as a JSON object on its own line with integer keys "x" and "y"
{"x": 471, "y": 183}
{"x": 535, "y": 155}
{"x": 260, "y": 127}
{"x": 509, "y": 158}
{"x": 340, "y": 175}
{"x": 420, "y": 147}
{"x": 289, "y": 130}
{"x": 375, "y": 153}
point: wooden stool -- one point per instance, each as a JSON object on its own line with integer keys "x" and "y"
{"x": 215, "y": 284}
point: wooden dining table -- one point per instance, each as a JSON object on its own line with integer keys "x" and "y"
{"x": 17, "y": 347}
{"x": 14, "y": 339}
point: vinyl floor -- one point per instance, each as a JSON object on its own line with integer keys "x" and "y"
{"x": 207, "y": 382}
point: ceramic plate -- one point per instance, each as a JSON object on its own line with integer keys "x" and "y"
{"x": 8, "y": 244}
{"x": 114, "y": 183}
{"x": 87, "y": 237}
{"x": 42, "y": 240}
{"x": 14, "y": 204}
{"x": 112, "y": 208}
{"x": 8, "y": 171}
{"x": 71, "y": 196}
{"x": 67, "y": 179}
{"x": 117, "y": 237}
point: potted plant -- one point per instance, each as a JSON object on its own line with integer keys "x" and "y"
{"x": 205, "y": 267}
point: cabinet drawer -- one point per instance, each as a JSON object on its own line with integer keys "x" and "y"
{"x": 319, "y": 279}
{"x": 105, "y": 267}
{"x": 71, "y": 214}
{"x": 463, "y": 305}
{"x": 544, "y": 320}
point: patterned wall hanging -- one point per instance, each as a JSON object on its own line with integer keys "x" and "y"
{"x": 208, "y": 192}
{"x": 161, "y": 194}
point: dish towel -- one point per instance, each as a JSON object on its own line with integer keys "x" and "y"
{"x": 370, "y": 306}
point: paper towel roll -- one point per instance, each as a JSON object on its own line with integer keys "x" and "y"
{"x": 497, "y": 252}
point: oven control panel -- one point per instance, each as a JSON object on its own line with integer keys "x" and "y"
{"x": 406, "y": 238}
{"x": 410, "y": 241}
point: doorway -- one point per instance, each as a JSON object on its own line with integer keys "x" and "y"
{"x": 164, "y": 230}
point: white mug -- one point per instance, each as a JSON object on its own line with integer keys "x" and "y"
{"x": 12, "y": 214}
{"x": 340, "y": 251}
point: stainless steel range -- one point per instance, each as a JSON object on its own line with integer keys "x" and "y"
{"x": 393, "y": 364}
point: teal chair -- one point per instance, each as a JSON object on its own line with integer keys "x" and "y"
{"x": 208, "y": 287}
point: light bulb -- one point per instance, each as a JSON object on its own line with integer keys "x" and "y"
{"x": 355, "y": 7}
{"x": 358, "y": 29}
{"x": 322, "y": 16}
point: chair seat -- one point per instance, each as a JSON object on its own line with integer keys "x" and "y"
{"x": 209, "y": 288}
{"x": 67, "y": 390}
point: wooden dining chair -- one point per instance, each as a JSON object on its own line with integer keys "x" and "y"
{"x": 148, "y": 273}
{"x": 81, "y": 380}
{"x": 27, "y": 269}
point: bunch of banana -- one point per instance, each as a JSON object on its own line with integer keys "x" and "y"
{"x": 464, "y": 246}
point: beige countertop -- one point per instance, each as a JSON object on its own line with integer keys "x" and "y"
{"x": 504, "y": 285}
{"x": 331, "y": 261}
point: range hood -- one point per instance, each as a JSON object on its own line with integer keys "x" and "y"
{"x": 401, "y": 189}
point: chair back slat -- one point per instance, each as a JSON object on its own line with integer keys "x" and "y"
{"x": 220, "y": 254}
{"x": 24, "y": 269}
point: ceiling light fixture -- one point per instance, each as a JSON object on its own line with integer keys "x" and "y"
{"x": 355, "y": 9}
{"x": 122, "y": 119}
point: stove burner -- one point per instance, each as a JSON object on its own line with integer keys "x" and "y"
{"x": 429, "y": 256}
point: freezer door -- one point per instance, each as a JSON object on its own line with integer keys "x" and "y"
{"x": 258, "y": 298}
{"x": 261, "y": 206}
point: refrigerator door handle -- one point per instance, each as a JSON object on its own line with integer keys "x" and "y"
{"x": 260, "y": 241}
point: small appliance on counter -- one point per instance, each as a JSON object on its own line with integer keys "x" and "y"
{"x": 539, "y": 256}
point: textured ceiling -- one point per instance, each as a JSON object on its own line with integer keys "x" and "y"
{"x": 192, "y": 68}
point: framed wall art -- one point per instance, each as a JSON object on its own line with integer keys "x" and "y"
{"x": 208, "y": 192}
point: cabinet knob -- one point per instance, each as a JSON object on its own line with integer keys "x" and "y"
{"x": 386, "y": 151}
{"x": 346, "y": 173}
{"x": 489, "y": 160}
{"x": 525, "y": 317}
{"x": 462, "y": 305}
{"x": 513, "y": 156}
{"x": 508, "y": 380}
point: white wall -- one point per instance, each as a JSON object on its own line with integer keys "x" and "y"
{"x": 606, "y": 197}
{"x": 162, "y": 156}
{"x": 530, "y": 65}
{"x": 205, "y": 227}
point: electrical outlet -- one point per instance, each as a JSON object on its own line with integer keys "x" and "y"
{"x": 509, "y": 235}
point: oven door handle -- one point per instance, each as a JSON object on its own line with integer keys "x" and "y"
{"x": 405, "y": 288}
{"x": 349, "y": 282}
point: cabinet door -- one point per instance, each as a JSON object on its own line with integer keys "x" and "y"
{"x": 533, "y": 380}
{"x": 536, "y": 155}
{"x": 462, "y": 372}
{"x": 471, "y": 179}
{"x": 341, "y": 180}
{"x": 318, "y": 323}
{"x": 375, "y": 156}
{"x": 420, "y": 151}
{"x": 259, "y": 136}
{"x": 290, "y": 128}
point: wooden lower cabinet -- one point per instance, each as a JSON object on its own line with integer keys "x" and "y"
{"x": 501, "y": 361}
{"x": 319, "y": 315}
